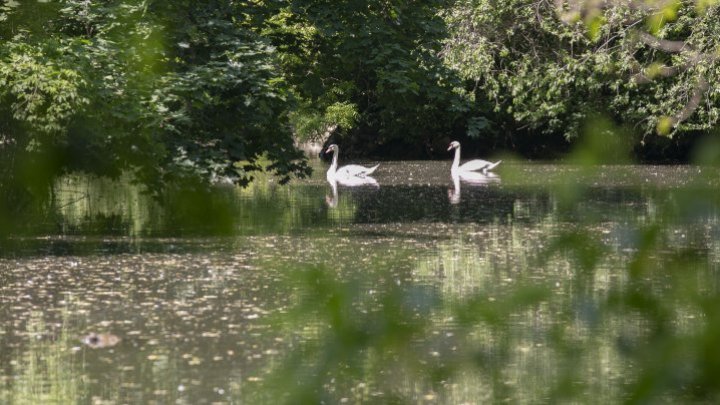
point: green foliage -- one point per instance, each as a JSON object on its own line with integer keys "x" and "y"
{"x": 548, "y": 72}
{"x": 40, "y": 87}
{"x": 172, "y": 92}
{"x": 372, "y": 69}
{"x": 476, "y": 125}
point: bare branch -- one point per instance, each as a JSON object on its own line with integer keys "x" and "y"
{"x": 698, "y": 93}
{"x": 663, "y": 44}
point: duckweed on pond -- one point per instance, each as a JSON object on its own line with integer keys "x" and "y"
{"x": 553, "y": 283}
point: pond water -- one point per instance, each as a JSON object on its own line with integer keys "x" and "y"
{"x": 543, "y": 283}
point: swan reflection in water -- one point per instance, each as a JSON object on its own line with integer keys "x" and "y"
{"x": 332, "y": 200}
{"x": 469, "y": 178}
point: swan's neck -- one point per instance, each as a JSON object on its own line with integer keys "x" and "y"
{"x": 456, "y": 161}
{"x": 333, "y": 166}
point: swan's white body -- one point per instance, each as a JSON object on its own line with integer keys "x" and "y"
{"x": 349, "y": 173}
{"x": 476, "y": 177}
{"x": 470, "y": 166}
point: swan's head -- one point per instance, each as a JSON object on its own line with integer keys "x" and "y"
{"x": 331, "y": 148}
{"x": 453, "y": 145}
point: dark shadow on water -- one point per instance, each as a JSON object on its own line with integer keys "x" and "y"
{"x": 114, "y": 218}
{"x": 430, "y": 204}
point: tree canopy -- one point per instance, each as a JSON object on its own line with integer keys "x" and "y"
{"x": 546, "y": 66}
{"x": 180, "y": 91}
{"x": 373, "y": 69}
{"x": 170, "y": 91}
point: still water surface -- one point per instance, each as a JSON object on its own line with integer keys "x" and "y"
{"x": 542, "y": 283}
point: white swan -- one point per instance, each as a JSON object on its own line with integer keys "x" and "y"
{"x": 469, "y": 166}
{"x": 347, "y": 173}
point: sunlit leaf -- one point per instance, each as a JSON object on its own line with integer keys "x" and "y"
{"x": 665, "y": 125}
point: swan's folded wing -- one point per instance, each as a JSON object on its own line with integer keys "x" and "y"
{"x": 478, "y": 178}
{"x": 372, "y": 169}
{"x": 358, "y": 181}
{"x": 477, "y": 164}
{"x": 355, "y": 171}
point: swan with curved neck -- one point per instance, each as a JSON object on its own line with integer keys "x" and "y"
{"x": 471, "y": 165}
{"x": 348, "y": 171}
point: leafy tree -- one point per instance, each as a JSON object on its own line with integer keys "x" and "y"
{"x": 372, "y": 70}
{"x": 545, "y": 71}
{"x": 172, "y": 92}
